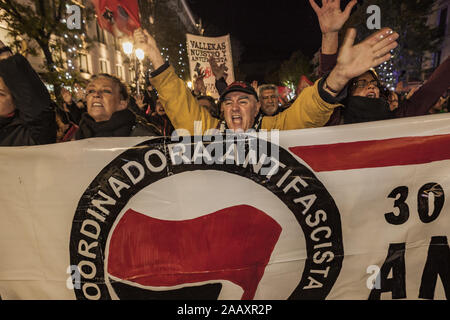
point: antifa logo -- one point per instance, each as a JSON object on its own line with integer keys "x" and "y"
{"x": 233, "y": 239}
{"x": 130, "y": 254}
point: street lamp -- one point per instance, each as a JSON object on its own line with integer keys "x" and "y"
{"x": 127, "y": 47}
{"x": 139, "y": 54}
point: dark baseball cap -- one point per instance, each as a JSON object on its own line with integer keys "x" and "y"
{"x": 240, "y": 86}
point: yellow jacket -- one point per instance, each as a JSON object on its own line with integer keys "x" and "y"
{"x": 309, "y": 110}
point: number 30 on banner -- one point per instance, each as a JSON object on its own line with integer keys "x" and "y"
{"x": 429, "y": 195}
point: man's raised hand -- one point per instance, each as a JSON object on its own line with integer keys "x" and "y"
{"x": 144, "y": 41}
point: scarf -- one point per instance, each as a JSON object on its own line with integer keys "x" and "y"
{"x": 222, "y": 126}
{"x": 362, "y": 109}
{"x": 120, "y": 125}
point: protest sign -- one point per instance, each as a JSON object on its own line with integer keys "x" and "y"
{"x": 200, "y": 49}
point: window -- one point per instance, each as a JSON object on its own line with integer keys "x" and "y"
{"x": 116, "y": 44}
{"x": 103, "y": 66}
{"x": 119, "y": 71}
{"x": 83, "y": 63}
{"x": 442, "y": 22}
{"x": 100, "y": 34}
{"x": 436, "y": 59}
{"x": 132, "y": 75}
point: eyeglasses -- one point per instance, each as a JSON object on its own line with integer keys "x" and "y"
{"x": 364, "y": 83}
{"x": 269, "y": 97}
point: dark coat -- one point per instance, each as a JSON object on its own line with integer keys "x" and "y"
{"x": 33, "y": 122}
{"x": 123, "y": 123}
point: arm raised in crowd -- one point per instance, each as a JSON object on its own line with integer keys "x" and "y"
{"x": 220, "y": 73}
{"x": 315, "y": 104}
{"x": 331, "y": 20}
{"x": 30, "y": 94}
{"x": 34, "y": 116}
{"x": 312, "y": 109}
{"x": 354, "y": 60}
{"x": 180, "y": 105}
{"x": 426, "y": 96}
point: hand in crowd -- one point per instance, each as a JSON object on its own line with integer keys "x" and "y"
{"x": 140, "y": 101}
{"x": 354, "y": 60}
{"x": 66, "y": 95}
{"x": 331, "y": 18}
{"x": 199, "y": 85}
{"x": 411, "y": 92}
{"x": 5, "y": 54}
{"x": 80, "y": 94}
{"x": 219, "y": 71}
{"x": 255, "y": 85}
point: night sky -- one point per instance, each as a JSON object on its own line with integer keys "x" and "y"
{"x": 268, "y": 31}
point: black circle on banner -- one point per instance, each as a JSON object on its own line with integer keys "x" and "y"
{"x": 324, "y": 260}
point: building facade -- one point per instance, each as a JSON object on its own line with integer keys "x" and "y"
{"x": 439, "y": 18}
{"x": 105, "y": 53}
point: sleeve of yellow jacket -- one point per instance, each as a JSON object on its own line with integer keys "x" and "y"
{"x": 180, "y": 105}
{"x": 309, "y": 110}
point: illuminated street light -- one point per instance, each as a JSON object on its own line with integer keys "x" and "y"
{"x": 139, "y": 54}
{"x": 127, "y": 47}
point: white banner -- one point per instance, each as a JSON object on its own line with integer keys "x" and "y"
{"x": 200, "y": 49}
{"x": 349, "y": 212}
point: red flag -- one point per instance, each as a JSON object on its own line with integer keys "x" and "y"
{"x": 302, "y": 84}
{"x": 283, "y": 91}
{"x": 118, "y": 15}
{"x": 233, "y": 244}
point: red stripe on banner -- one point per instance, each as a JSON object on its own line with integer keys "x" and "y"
{"x": 375, "y": 154}
{"x": 232, "y": 244}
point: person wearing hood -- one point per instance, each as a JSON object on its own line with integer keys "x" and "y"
{"x": 365, "y": 101}
{"x": 27, "y": 115}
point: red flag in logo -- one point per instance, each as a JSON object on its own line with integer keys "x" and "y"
{"x": 232, "y": 244}
{"x": 118, "y": 15}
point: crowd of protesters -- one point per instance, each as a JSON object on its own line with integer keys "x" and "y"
{"x": 348, "y": 91}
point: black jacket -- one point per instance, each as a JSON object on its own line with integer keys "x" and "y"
{"x": 33, "y": 121}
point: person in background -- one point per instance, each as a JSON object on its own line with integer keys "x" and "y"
{"x": 161, "y": 120}
{"x": 268, "y": 95}
{"x": 393, "y": 101}
{"x": 74, "y": 109}
{"x": 27, "y": 115}
{"x": 209, "y": 104}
